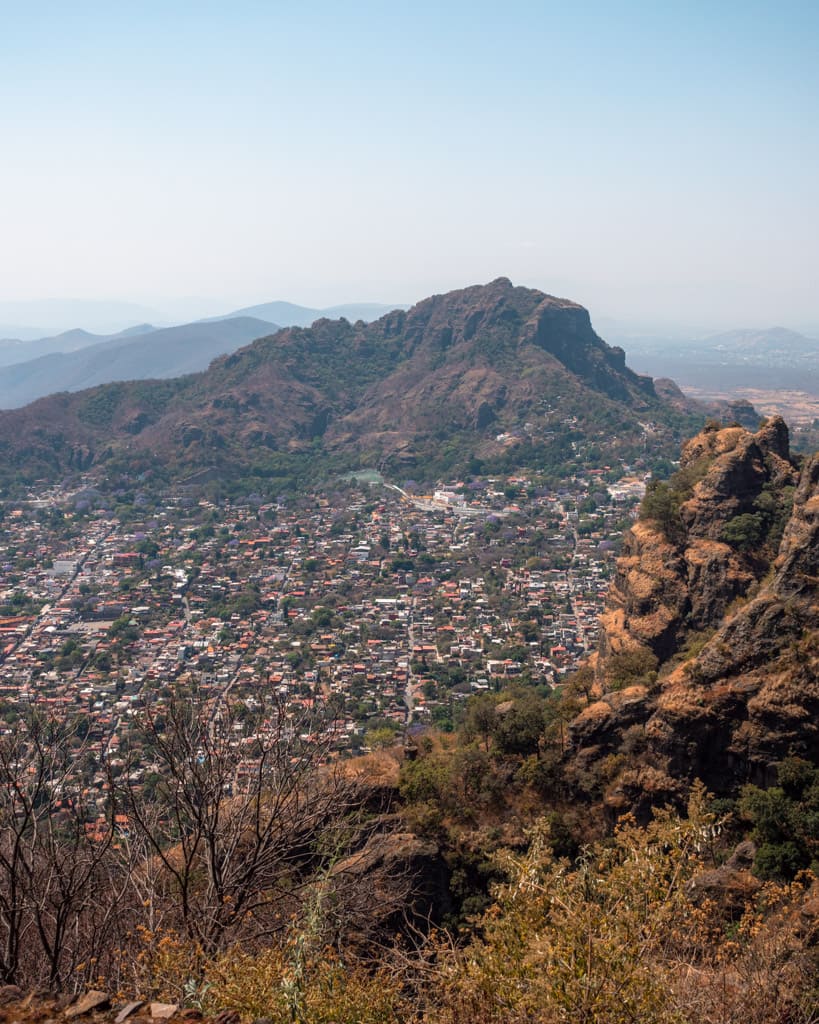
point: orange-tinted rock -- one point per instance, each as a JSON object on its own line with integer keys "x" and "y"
{"x": 93, "y": 1000}
{"x": 736, "y": 630}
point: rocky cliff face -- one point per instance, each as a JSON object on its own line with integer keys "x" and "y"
{"x": 715, "y": 603}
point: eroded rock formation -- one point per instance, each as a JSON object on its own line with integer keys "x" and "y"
{"x": 717, "y": 586}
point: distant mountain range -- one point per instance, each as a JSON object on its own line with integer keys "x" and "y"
{"x": 18, "y": 350}
{"x": 775, "y": 358}
{"x": 78, "y": 359}
{"x": 773, "y": 346}
{"x": 776, "y": 346}
{"x": 289, "y": 315}
{"x": 492, "y": 375}
{"x": 130, "y": 355}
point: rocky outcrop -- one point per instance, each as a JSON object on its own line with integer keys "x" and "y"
{"x": 727, "y": 601}
{"x": 404, "y": 876}
{"x": 740, "y": 466}
{"x": 731, "y": 886}
{"x": 739, "y": 411}
{"x": 670, "y": 584}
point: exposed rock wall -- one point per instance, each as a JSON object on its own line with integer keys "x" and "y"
{"x": 735, "y": 627}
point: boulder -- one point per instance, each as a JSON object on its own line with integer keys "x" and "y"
{"x": 93, "y": 1000}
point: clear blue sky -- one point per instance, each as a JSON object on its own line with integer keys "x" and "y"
{"x": 650, "y": 160}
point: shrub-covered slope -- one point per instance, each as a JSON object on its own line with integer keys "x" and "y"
{"x": 474, "y": 374}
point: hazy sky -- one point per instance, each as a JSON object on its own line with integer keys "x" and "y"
{"x": 650, "y": 160}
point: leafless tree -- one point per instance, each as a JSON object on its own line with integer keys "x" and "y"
{"x": 243, "y": 828}
{"x": 245, "y": 813}
{"x": 54, "y": 856}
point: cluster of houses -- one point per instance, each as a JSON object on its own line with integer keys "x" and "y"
{"x": 384, "y": 609}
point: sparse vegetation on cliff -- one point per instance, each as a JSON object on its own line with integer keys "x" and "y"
{"x": 716, "y": 582}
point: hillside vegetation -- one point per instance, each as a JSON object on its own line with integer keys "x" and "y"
{"x": 490, "y": 376}
{"x": 638, "y": 842}
{"x": 304, "y": 896}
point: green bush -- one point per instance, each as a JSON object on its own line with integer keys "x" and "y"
{"x": 745, "y": 531}
{"x": 521, "y": 727}
{"x": 661, "y": 505}
{"x": 634, "y": 667}
{"x": 785, "y": 820}
{"x": 662, "y": 502}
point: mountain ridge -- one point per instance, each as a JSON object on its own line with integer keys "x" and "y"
{"x": 290, "y": 314}
{"x": 472, "y": 373}
{"x": 769, "y": 341}
{"x": 11, "y": 349}
{"x": 127, "y": 355}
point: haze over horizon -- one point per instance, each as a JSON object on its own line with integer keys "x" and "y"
{"x": 656, "y": 165}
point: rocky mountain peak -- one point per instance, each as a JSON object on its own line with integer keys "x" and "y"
{"x": 710, "y": 645}
{"x": 731, "y": 467}
{"x": 429, "y": 388}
